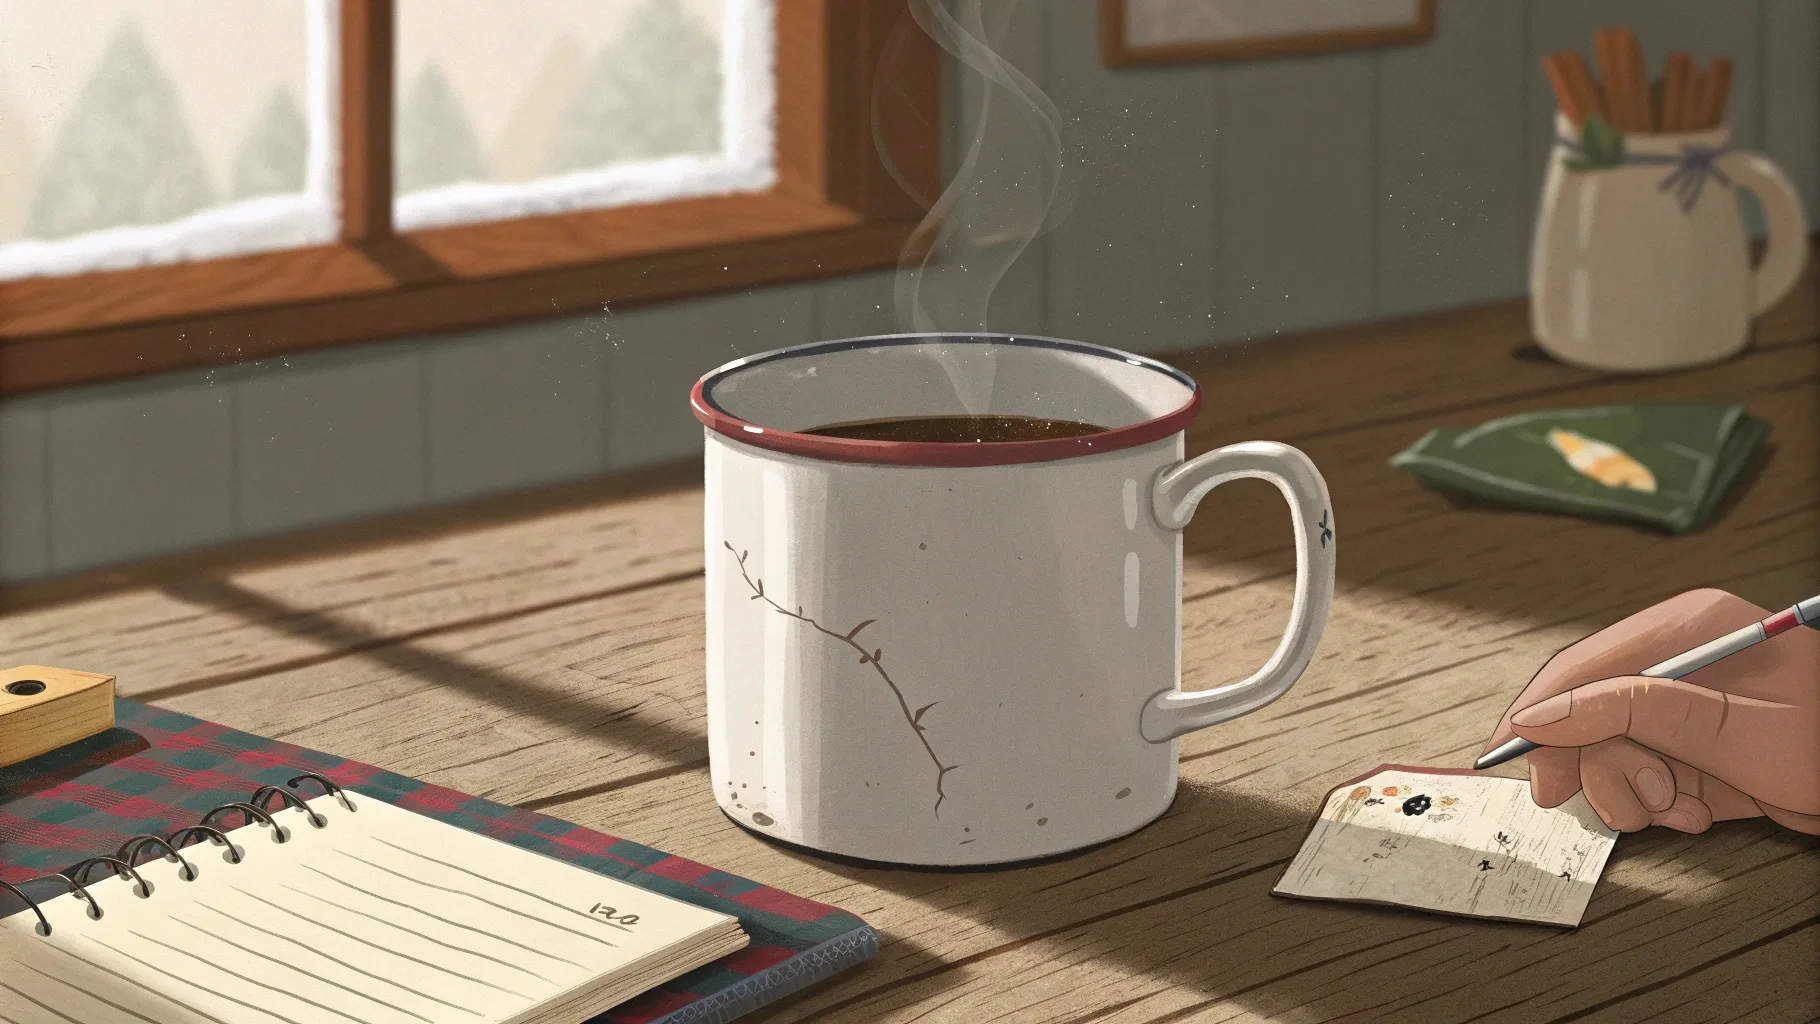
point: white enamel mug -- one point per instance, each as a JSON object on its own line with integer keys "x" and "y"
{"x": 959, "y": 654}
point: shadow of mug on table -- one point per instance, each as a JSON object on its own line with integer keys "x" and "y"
{"x": 1644, "y": 265}
{"x": 945, "y": 654}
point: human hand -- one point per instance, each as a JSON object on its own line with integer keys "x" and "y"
{"x": 1737, "y": 739}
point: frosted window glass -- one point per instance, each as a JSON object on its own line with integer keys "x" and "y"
{"x": 153, "y": 131}
{"x": 546, "y": 105}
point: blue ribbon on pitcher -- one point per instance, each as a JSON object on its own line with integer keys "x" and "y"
{"x": 1691, "y": 170}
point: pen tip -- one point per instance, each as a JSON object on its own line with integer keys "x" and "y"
{"x": 1503, "y": 752}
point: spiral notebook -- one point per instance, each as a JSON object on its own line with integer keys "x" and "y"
{"x": 369, "y": 917}
{"x": 346, "y": 910}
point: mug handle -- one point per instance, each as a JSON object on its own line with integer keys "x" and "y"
{"x": 1787, "y": 251}
{"x": 1176, "y": 493}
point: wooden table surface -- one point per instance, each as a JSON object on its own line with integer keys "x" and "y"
{"x": 549, "y": 654}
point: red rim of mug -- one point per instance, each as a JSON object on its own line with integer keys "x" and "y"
{"x": 933, "y": 453}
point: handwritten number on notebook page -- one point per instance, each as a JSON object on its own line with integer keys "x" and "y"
{"x": 602, "y": 910}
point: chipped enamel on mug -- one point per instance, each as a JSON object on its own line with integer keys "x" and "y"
{"x": 963, "y": 654}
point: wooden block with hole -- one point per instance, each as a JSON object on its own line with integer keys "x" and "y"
{"x": 43, "y": 708}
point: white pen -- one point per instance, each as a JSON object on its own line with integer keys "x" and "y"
{"x": 1804, "y": 613}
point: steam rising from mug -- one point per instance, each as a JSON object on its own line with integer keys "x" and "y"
{"x": 1009, "y": 186}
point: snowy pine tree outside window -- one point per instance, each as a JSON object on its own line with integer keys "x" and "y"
{"x": 136, "y": 132}
{"x": 545, "y": 106}
{"x": 143, "y": 132}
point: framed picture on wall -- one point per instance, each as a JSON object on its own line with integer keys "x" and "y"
{"x": 1172, "y": 31}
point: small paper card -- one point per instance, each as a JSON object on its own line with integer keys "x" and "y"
{"x": 1452, "y": 842}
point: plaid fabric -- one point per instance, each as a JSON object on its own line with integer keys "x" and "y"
{"x": 158, "y": 771}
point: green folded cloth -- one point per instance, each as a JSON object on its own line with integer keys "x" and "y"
{"x": 1662, "y": 463}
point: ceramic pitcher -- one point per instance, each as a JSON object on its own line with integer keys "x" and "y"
{"x": 1645, "y": 265}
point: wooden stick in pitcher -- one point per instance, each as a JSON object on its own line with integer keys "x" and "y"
{"x": 1718, "y": 89}
{"x": 1574, "y": 88}
{"x": 1611, "y": 82}
{"x": 1693, "y": 99}
{"x": 1605, "y": 50}
{"x": 1634, "y": 75}
{"x": 1677, "y": 76}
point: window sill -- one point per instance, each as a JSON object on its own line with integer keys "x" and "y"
{"x": 58, "y": 332}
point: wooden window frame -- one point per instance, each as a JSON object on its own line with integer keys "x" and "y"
{"x": 836, "y": 208}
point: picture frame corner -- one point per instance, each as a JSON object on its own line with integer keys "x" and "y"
{"x": 1117, "y": 50}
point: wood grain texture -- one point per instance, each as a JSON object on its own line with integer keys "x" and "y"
{"x": 556, "y": 662}
{"x": 166, "y": 636}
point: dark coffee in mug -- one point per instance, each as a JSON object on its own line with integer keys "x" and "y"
{"x": 956, "y": 429}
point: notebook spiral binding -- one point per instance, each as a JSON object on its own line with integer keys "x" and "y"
{"x": 121, "y": 861}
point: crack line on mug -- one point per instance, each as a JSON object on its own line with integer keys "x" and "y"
{"x": 873, "y": 657}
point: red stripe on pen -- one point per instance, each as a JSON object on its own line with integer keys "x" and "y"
{"x": 1780, "y": 622}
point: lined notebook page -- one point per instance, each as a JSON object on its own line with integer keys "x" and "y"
{"x": 1453, "y": 843}
{"x": 382, "y": 917}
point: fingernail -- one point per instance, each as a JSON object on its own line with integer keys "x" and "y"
{"x": 1653, "y": 788}
{"x": 1679, "y": 820}
{"x": 1547, "y": 712}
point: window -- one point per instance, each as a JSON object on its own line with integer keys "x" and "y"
{"x": 186, "y": 182}
{"x": 595, "y": 104}
{"x": 159, "y": 131}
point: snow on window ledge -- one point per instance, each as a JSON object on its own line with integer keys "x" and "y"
{"x": 654, "y": 181}
{"x": 746, "y": 161}
{"x": 250, "y": 226}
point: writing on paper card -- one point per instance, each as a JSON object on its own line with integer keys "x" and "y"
{"x": 1464, "y": 844}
